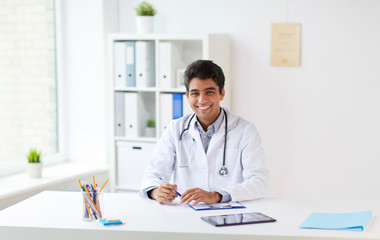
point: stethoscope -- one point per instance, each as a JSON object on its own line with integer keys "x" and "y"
{"x": 223, "y": 171}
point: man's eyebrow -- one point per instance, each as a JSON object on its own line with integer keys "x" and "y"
{"x": 196, "y": 90}
{"x": 210, "y": 88}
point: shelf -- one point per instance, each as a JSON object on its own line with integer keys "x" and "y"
{"x": 172, "y": 90}
{"x": 136, "y": 139}
{"x": 135, "y": 89}
{"x": 157, "y": 61}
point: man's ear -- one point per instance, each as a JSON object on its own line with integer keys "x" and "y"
{"x": 222, "y": 95}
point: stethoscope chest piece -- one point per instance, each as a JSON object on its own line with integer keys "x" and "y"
{"x": 223, "y": 171}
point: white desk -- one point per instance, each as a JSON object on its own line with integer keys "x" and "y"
{"x": 58, "y": 215}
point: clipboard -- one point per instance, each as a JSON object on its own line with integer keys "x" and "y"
{"x": 217, "y": 206}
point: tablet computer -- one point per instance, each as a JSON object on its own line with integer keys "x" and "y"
{"x": 237, "y": 219}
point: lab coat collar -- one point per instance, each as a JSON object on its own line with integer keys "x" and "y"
{"x": 231, "y": 123}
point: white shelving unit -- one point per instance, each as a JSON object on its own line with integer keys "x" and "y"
{"x": 128, "y": 155}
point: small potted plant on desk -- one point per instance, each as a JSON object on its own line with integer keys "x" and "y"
{"x": 144, "y": 20}
{"x": 34, "y": 166}
{"x": 150, "y": 129}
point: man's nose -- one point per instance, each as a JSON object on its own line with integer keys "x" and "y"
{"x": 202, "y": 98}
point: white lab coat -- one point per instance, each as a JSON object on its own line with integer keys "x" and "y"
{"x": 247, "y": 177}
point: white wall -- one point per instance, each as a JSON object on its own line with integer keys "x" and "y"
{"x": 81, "y": 37}
{"x": 319, "y": 122}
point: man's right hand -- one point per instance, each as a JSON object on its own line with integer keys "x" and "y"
{"x": 164, "y": 193}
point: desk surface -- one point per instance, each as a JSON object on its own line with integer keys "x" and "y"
{"x": 58, "y": 215}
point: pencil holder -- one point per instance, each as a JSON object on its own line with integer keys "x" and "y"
{"x": 92, "y": 205}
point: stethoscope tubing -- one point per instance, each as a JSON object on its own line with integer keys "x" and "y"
{"x": 223, "y": 170}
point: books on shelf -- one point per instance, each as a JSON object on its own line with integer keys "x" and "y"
{"x": 119, "y": 114}
{"x": 124, "y": 64}
{"x": 119, "y": 64}
{"x": 166, "y": 111}
{"x": 186, "y": 106}
{"x": 145, "y": 64}
{"x": 134, "y": 64}
{"x": 169, "y": 62}
{"x": 132, "y": 110}
{"x": 131, "y": 106}
{"x": 175, "y": 105}
{"x": 130, "y": 63}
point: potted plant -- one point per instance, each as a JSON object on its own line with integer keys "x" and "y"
{"x": 150, "y": 129}
{"x": 144, "y": 20}
{"x": 34, "y": 166}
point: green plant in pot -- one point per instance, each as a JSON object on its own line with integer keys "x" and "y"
{"x": 34, "y": 166}
{"x": 150, "y": 129}
{"x": 144, "y": 20}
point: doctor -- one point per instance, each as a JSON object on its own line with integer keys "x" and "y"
{"x": 210, "y": 155}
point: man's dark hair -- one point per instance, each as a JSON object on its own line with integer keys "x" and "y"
{"x": 204, "y": 69}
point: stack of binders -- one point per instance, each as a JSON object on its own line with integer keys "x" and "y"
{"x": 134, "y": 64}
{"x": 130, "y": 114}
{"x": 170, "y": 62}
{"x": 180, "y": 107}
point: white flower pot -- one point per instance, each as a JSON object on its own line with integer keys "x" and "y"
{"x": 144, "y": 24}
{"x": 150, "y": 132}
{"x": 34, "y": 170}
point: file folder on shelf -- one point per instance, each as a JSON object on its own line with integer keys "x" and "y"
{"x": 186, "y": 106}
{"x": 177, "y": 105}
{"x": 119, "y": 64}
{"x": 131, "y": 103}
{"x": 119, "y": 114}
{"x": 166, "y": 110}
{"x": 130, "y": 64}
{"x": 145, "y": 64}
{"x": 170, "y": 61}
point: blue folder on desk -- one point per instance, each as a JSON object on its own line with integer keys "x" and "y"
{"x": 354, "y": 221}
{"x": 217, "y": 206}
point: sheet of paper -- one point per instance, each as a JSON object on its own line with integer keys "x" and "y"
{"x": 228, "y": 205}
{"x": 177, "y": 207}
{"x": 286, "y": 44}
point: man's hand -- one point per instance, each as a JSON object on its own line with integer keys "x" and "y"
{"x": 199, "y": 195}
{"x": 164, "y": 193}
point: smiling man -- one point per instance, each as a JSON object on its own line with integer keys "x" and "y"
{"x": 210, "y": 155}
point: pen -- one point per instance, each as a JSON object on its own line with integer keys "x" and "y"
{"x": 172, "y": 189}
{"x": 85, "y": 202}
{"x": 91, "y": 203}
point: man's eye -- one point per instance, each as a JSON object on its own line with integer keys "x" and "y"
{"x": 210, "y": 92}
{"x": 194, "y": 94}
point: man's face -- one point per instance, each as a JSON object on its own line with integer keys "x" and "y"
{"x": 204, "y": 98}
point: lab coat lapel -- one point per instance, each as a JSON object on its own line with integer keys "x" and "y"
{"x": 217, "y": 140}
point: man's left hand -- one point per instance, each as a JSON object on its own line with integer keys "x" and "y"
{"x": 198, "y": 195}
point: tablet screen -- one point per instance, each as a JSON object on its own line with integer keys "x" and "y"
{"x": 237, "y": 219}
